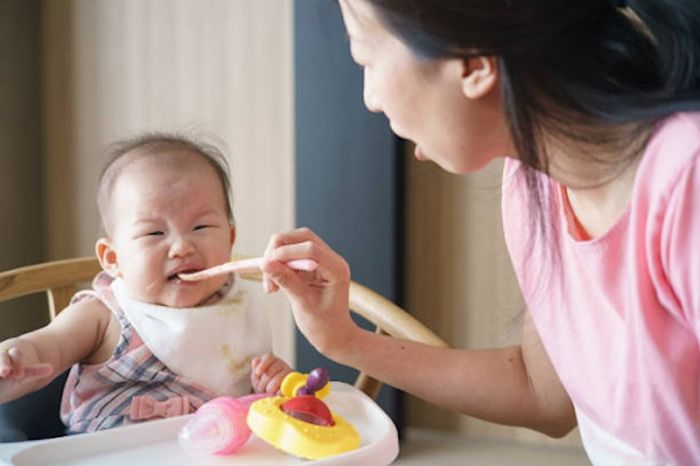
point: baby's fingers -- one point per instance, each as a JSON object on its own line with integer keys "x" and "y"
{"x": 38, "y": 370}
{"x": 275, "y": 374}
{"x": 6, "y": 365}
{"x": 263, "y": 363}
{"x": 274, "y": 384}
{"x": 12, "y": 366}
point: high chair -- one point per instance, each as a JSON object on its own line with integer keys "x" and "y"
{"x": 27, "y": 416}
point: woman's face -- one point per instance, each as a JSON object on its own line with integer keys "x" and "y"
{"x": 425, "y": 100}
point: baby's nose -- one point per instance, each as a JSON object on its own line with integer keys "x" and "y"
{"x": 181, "y": 246}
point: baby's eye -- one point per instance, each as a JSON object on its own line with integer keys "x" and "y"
{"x": 201, "y": 227}
{"x": 155, "y": 233}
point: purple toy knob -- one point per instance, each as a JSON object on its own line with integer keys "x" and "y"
{"x": 316, "y": 380}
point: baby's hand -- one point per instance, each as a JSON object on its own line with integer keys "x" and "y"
{"x": 13, "y": 366}
{"x": 268, "y": 373}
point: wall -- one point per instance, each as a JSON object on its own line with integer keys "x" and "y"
{"x": 112, "y": 68}
{"x": 219, "y": 68}
{"x": 20, "y": 154}
{"x": 459, "y": 279}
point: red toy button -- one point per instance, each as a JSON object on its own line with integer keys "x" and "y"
{"x": 309, "y": 409}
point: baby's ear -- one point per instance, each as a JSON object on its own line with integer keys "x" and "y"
{"x": 107, "y": 257}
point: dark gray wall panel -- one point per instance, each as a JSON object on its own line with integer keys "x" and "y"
{"x": 348, "y": 172}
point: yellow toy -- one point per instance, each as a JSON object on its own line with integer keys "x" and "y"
{"x": 299, "y": 423}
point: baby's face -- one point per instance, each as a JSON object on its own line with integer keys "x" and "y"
{"x": 168, "y": 220}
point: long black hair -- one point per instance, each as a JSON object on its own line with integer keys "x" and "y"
{"x": 598, "y": 72}
{"x": 569, "y": 68}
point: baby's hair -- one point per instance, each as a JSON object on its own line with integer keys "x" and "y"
{"x": 121, "y": 153}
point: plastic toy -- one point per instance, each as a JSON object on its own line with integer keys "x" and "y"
{"x": 299, "y": 423}
{"x": 219, "y": 427}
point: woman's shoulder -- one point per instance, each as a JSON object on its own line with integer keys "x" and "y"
{"x": 673, "y": 150}
{"x": 691, "y": 119}
{"x": 683, "y": 128}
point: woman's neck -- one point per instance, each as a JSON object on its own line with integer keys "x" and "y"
{"x": 599, "y": 183}
{"x": 598, "y": 208}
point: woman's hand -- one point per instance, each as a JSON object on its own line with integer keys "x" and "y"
{"x": 319, "y": 299}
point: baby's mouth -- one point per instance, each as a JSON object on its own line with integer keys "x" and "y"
{"x": 176, "y": 276}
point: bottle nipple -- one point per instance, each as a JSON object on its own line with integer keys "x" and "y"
{"x": 218, "y": 427}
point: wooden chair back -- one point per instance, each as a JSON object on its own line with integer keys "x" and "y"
{"x": 61, "y": 279}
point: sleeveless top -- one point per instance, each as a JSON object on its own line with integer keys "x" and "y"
{"x": 158, "y": 368}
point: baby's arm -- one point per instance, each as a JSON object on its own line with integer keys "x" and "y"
{"x": 30, "y": 361}
{"x": 268, "y": 373}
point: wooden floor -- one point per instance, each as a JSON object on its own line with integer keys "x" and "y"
{"x": 433, "y": 448}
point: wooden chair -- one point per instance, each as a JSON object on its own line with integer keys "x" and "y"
{"x": 61, "y": 279}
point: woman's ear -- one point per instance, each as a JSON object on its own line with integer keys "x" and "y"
{"x": 107, "y": 257}
{"x": 479, "y": 76}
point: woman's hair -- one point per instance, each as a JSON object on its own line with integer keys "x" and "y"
{"x": 570, "y": 69}
{"x": 598, "y": 72}
{"x": 121, "y": 153}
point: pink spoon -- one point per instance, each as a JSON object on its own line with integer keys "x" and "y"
{"x": 307, "y": 265}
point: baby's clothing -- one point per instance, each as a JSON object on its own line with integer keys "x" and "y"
{"x": 619, "y": 315}
{"x": 212, "y": 345}
{"x": 168, "y": 361}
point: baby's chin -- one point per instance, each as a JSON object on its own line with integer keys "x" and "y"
{"x": 183, "y": 302}
{"x": 180, "y": 298}
{"x": 179, "y": 293}
{"x": 195, "y": 297}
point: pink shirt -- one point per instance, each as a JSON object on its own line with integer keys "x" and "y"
{"x": 619, "y": 314}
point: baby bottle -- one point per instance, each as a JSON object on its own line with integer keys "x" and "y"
{"x": 218, "y": 427}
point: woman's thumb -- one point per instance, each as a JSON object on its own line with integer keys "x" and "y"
{"x": 284, "y": 277}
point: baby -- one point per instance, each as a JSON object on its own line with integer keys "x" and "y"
{"x": 142, "y": 343}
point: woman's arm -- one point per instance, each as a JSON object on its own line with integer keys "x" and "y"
{"x": 30, "y": 361}
{"x": 515, "y": 385}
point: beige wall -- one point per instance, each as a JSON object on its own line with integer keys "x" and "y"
{"x": 460, "y": 280}
{"x": 214, "y": 67}
{"x": 112, "y": 68}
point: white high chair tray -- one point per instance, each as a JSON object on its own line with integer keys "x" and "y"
{"x": 155, "y": 443}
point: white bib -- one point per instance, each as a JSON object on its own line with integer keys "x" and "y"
{"x": 211, "y": 344}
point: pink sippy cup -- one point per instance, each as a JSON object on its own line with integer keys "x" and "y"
{"x": 219, "y": 426}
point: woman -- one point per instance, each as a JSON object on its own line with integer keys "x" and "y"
{"x": 593, "y": 105}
